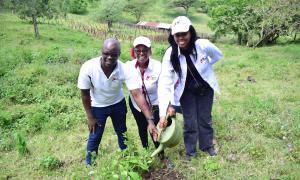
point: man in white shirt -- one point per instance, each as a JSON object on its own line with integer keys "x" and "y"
{"x": 100, "y": 81}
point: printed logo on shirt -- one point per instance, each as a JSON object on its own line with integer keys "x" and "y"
{"x": 113, "y": 78}
{"x": 203, "y": 59}
{"x": 148, "y": 78}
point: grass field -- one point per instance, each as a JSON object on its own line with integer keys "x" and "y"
{"x": 43, "y": 125}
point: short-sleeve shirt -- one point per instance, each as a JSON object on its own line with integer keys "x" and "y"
{"x": 106, "y": 91}
{"x": 150, "y": 77}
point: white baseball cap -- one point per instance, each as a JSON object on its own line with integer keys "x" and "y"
{"x": 143, "y": 41}
{"x": 180, "y": 24}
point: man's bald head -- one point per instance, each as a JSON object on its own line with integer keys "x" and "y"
{"x": 111, "y": 51}
{"x": 112, "y": 44}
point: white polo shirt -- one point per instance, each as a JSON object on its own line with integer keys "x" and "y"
{"x": 151, "y": 76}
{"x": 106, "y": 91}
{"x": 207, "y": 55}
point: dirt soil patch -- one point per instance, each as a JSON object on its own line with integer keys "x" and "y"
{"x": 165, "y": 174}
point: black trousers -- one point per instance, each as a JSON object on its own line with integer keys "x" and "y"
{"x": 142, "y": 123}
{"x": 196, "y": 110}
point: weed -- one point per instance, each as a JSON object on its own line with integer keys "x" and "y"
{"x": 21, "y": 144}
{"x": 49, "y": 162}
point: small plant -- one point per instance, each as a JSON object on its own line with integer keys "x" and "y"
{"x": 49, "y": 162}
{"x": 129, "y": 163}
{"x": 211, "y": 165}
{"x": 21, "y": 144}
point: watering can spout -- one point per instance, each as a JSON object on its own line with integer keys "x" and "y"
{"x": 158, "y": 150}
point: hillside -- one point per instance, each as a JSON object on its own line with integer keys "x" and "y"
{"x": 43, "y": 125}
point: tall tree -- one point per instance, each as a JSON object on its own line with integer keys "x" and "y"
{"x": 137, "y": 8}
{"x": 111, "y": 12}
{"x": 185, "y": 4}
{"x": 33, "y": 9}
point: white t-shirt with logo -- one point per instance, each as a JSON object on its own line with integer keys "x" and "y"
{"x": 106, "y": 91}
{"x": 151, "y": 76}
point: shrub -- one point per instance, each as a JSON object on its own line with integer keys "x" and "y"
{"x": 49, "y": 162}
{"x": 127, "y": 164}
{"x": 21, "y": 144}
{"x": 78, "y": 6}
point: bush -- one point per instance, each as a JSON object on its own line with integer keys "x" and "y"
{"x": 21, "y": 144}
{"x": 49, "y": 162}
{"x": 126, "y": 164}
{"x": 78, "y": 6}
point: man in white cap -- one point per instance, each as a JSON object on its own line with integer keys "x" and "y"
{"x": 100, "y": 81}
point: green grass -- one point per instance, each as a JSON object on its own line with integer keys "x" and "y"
{"x": 256, "y": 123}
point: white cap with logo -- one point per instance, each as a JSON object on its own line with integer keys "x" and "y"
{"x": 180, "y": 24}
{"x": 142, "y": 40}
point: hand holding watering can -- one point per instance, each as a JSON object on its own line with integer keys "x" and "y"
{"x": 169, "y": 132}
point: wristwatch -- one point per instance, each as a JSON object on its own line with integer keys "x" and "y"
{"x": 150, "y": 119}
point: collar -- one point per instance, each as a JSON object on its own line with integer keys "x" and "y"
{"x": 148, "y": 65}
{"x": 180, "y": 54}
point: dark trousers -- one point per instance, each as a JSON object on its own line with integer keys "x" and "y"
{"x": 117, "y": 112}
{"x": 142, "y": 123}
{"x": 196, "y": 111}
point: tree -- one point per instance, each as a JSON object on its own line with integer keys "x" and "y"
{"x": 254, "y": 22}
{"x": 33, "y": 9}
{"x": 137, "y": 8}
{"x": 111, "y": 12}
{"x": 228, "y": 17}
{"x": 185, "y": 4}
{"x": 276, "y": 18}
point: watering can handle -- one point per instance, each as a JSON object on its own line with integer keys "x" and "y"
{"x": 162, "y": 130}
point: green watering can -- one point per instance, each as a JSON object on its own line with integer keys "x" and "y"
{"x": 170, "y": 136}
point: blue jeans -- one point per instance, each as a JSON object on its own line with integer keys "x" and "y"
{"x": 117, "y": 112}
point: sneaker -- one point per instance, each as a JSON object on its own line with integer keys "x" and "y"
{"x": 211, "y": 151}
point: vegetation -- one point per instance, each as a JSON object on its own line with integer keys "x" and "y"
{"x": 43, "y": 128}
{"x": 185, "y": 4}
{"x": 255, "y": 22}
{"x": 31, "y": 10}
{"x": 137, "y": 8}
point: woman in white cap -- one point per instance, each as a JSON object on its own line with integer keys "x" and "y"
{"x": 149, "y": 70}
{"x": 190, "y": 59}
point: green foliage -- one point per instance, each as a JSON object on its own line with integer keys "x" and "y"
{"x": 137, "y": 8}
{"x": 254, "y": 22}
{"x": 185, "y": 4}
{"x": 31, "y": 10}
{"x": 128, "y": 163}
{"x": 49, "y": 162}
{"x": 211, "y": 164}
{"x": 78, "y": 6}
{"x": 21, "y": 144}
{"x": 255, "y": 122}
{"x": 110, "y": 12}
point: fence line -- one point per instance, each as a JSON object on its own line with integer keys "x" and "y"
{"x": 122, "y": 31}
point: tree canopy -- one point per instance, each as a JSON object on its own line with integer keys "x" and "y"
{"x": 137, "y": 8}
{"x": 33, "y": 9}
{"x": 111, "y": 11}
{"x": 254, "y": 22}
